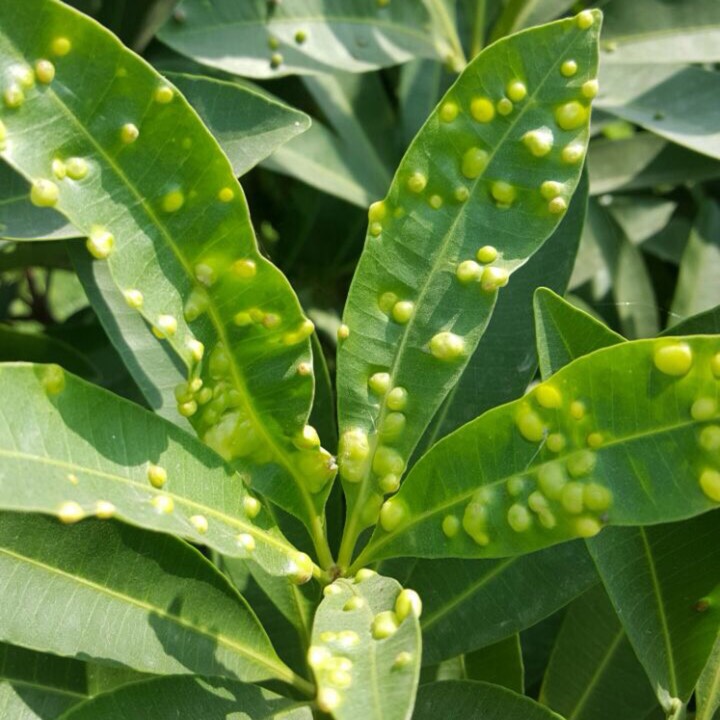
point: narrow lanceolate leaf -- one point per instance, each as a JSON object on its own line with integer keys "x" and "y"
{"x": 366, "y": 649}
{"x": 36, "y": 686}
{"x": 565, "y": 332}
{"x": 255, "y": 39}
{"x": 673, "y": 101}
{"x": 667, "y": 32}
{"x": 593, "y": 673}
{"x": 628, "y": 435}
{"x": 476, "y": 701}
{"x": 77, "y": 450}
{"x": 123, "y": 595}
{"x": 707, "y": 693}
{"x": 469, "y": 604}
{"x": 482, "y": 186}
{"x": 117, "y": 149}
{"x": 664, "y": 584}
{"x": 190, "y": 698}
{"x": 500, "y": 664}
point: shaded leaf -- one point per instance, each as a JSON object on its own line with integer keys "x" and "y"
{"x": 258, "y": 40}
{"x": 707, "y": 694}
{"x": 75, "y": 443}
{"x": 366, "y": 650}
{"x": 410, "y": 318}
{"x": 500, "y": 664}
{"x": 593, "y": 673}
{"x": 189, "y": 698}
{"x": 707, "y": 323}
{"x": 628, "y": 454}
{"x": 126, "y": 596}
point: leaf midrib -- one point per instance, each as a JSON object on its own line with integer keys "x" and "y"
{"x": 212, "y": 310}
{"x": 373, "y": 547}
{"x": 50, "y": 689}
{"x": 182, "y": 500}
{"x": 278, "y": 670}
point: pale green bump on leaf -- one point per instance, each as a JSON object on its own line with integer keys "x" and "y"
{"x": 310, "y": 36}
{"x": 160, "y": 204}
{"x": 593, "y": 672}
{"x": 190, "y": 697}
{"x": 564, "y": 332}
{"x": 477, "y": 701}
{"x": 366, "y": 650}
{"x": 664, "y": 584}
{"x": 624, "y": 436}
{"x": 485, "y": 601}
{"x": 77, "y": 446}
{"x": 37, "y": 686}
{"x": 485, "y": 182}
{"x": 139, "y": 599}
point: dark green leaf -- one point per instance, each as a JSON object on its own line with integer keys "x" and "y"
{"x": 500, "y": 664}
{"x": 707, "y": 694}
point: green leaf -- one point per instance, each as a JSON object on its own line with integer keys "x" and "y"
{"x": 707, "y": 323}
{"x": 645, "y": 161}
{"x": 519, "y": 14}
{"x": 593, "y": 673}
{"x": 75, "y": 443}
{"x": 612, "y": 439}
{"x": 707, "y": 693}
{"x": 564, "y": 332}
{"x": 248, "y": 123}
{"x": 500, "y": 664}
{"x": 663, "y": 584}
{"x": 507, "y": 348}
{"x": 667, "y": 32}
{"x": 697, "y": 288}
{"x": 126, "y": 596}
{"x": 418, "y": 91}
{"x": 35, "y": 686}
{"x": 36, "y": 347}
{"x": 413, "y": 325}
{"x": 190, "y": 698}
{"x": 310, "y": 36}
{"x": 641, "y": 216}
{"x": 20, "y": 219}
{"x": 366, "y": 649}
{"x": 161, "y": 203}
{"x": 477, "y": 701}
{"x": 673, "y": 101}
{"x": 472, "y": 604}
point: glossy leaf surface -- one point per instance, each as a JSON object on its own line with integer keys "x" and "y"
{"x": 472, "y": 177}
{"x": 477, "y": 701}
{"x": 258, "y": 40}
{"x": 126, "y": 596}
{"x": 36, "y": 686}
{"x": 593, "y": 673}
{"x": 84, "y": 445}
{"x": 366, "y": 650}
{"x": 190, "y": 698}
{"x": 161, "y": 204}
{"x": 630, "y": 453}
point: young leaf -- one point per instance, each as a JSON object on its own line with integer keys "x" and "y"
{"x": 500, "y": 664}
{"x": 118, "y": 150}
{"x": 485, "y": 170}
{"x": 366, "y": 649}
{"x": 75, "y": 447}
{"x": 593, "y": 673}
{"x": 565, "y": 332}
{"x": 36, "y": 686}
{"x": 476, "y": 701}
{"x": 311, "y": 36}
{"x": 469, "y": 605}
{"x": 697, "y": 288}
{"x": 189, "y": 698}
{"x": 137, "y": 598}
{"x": 624, "y": 436}
{"x": 663, "y": 583}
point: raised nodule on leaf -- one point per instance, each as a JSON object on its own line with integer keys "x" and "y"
{"x": 618, "y": 437}
{"x": 484, "y": 183}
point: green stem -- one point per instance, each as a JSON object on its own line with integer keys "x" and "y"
{"x": 458, "y": 56}
{"x": 478, "y": 31}
{"x": 302, "y": 685}
{"x": 320, "y": 541}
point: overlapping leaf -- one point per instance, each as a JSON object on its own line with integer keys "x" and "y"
{"x": 615, "y": 438}
{"x": 149, "y": 185}
{"x": 477, "y": 174}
